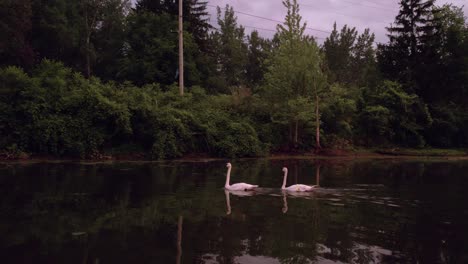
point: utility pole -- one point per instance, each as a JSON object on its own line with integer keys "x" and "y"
{"x": 181, "y": 51}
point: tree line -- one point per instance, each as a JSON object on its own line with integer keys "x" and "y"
{"x": 83, "y": 78}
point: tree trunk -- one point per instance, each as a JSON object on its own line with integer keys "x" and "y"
{"x": 90, "y": 21}
{"x": 291, "y": 134}
{"x": 181, "y": 50}
{"x": 88, "y": 63}
{"x": 296, "y": 133}
{"x": 317, "y": 175}
{"x": 295, "y": 172}
{"x": 317, "y": 125}
{"x": 88, "y": 67}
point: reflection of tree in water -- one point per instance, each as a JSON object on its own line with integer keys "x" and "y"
{"x": 133, "y": 209}
{"x": 180, "y": 223}
{"x": 241, "y": 235}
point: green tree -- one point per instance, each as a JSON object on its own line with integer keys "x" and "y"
{"x": 13, "y": 83}
{"x": 195, "y": 16}
{"x": 106, "y": 38}
{"x": 231, "y": 49}
{"x": 444, "y": 78}
{"x": 60, "y": 111}
{"x": 294, "y": 78}
{"x": 15, "y": 33}
{"x": 388, "y": 114}
{"x": 56, "y": 32}
{"x": 259, "y": 50}
{"x": 427, "y": 54}
{"x": 339, "y": 113}
{"x": 445, "y": 58}
{"x": 364, "y": 65}
{"x": 196, "y": 22}
{"x": 338, "y": 49}
{"x": 399, "y": 60}
{"x": 82, "y": 34}
{"x": 151, "y": 51}
{"x": 350, "y": 58}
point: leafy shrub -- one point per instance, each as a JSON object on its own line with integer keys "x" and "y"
{"x": 391, "y": 114}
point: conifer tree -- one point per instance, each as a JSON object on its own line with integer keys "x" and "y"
{"x": 410, "y": 31}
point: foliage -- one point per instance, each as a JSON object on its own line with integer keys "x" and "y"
{"x": 259, "y": 50}
{"x": 339, "y": 112}
{"x": 151, "y": 52}
{"x": 445, "y": 58}
{"x": 350, "y": 58}
{"x": 82, "y": 34}
{"x": 194, "y": 15}
{"x": 109, "y": 38}
{"x": 427, "y": 53}
{"x": 392, "y": 115}
{"x": 62, "y": 113}
{"x": 80, "y": 78}
{"x": 399, "y": 59}
{"x": 15, "y": 33}
{"x": 231, "y": 49}
{"x": 294, "y": 78}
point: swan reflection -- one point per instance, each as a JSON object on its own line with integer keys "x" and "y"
{"x": 236, "y": 193}
{"x": 285, "y": 194}
{"x": 303, "y": 193}
{"x": 285, "y": 203}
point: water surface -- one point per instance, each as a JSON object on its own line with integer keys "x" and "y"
{"x": 380, "y": 211}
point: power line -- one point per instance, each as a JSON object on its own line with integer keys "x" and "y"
{"x": 378, "y": 3}
{"x": 272, "y": 30}
{"x": 264, "y": 29}
{"x": 376, "y": 7}
{"x": 269, "y": 19}
{"x": 247, "y": 14}
{"x": 257, "y": 28}
{"x": 281, "y": 22}
{"x": 341, "y": 14}
{"x": 361, "y": 4}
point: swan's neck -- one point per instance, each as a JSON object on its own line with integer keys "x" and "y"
{"x": 228, "y": 176}
{"x": 285, "y": 177}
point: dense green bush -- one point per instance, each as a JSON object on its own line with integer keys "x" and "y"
{"x": 390, "y": 115}
{"x": 56, "y": 111}
{"x": 449, "y": 127}
{"x": 13, "y": 81}
{"x": 221, "y": 130}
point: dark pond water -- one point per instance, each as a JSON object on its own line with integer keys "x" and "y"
{"x": 381, "y": 211}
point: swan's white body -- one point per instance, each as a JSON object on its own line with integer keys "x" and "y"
{"x": 295, "y": 187}
{"x": 237, "y": 186}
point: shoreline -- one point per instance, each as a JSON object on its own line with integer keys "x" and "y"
{"x": 343, "y": 155}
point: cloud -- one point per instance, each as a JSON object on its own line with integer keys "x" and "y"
{"x": 320, "y": 14}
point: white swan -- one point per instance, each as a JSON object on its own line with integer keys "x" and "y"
{"x": 295, "y": 187}
{"x": 237, "y": 186}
